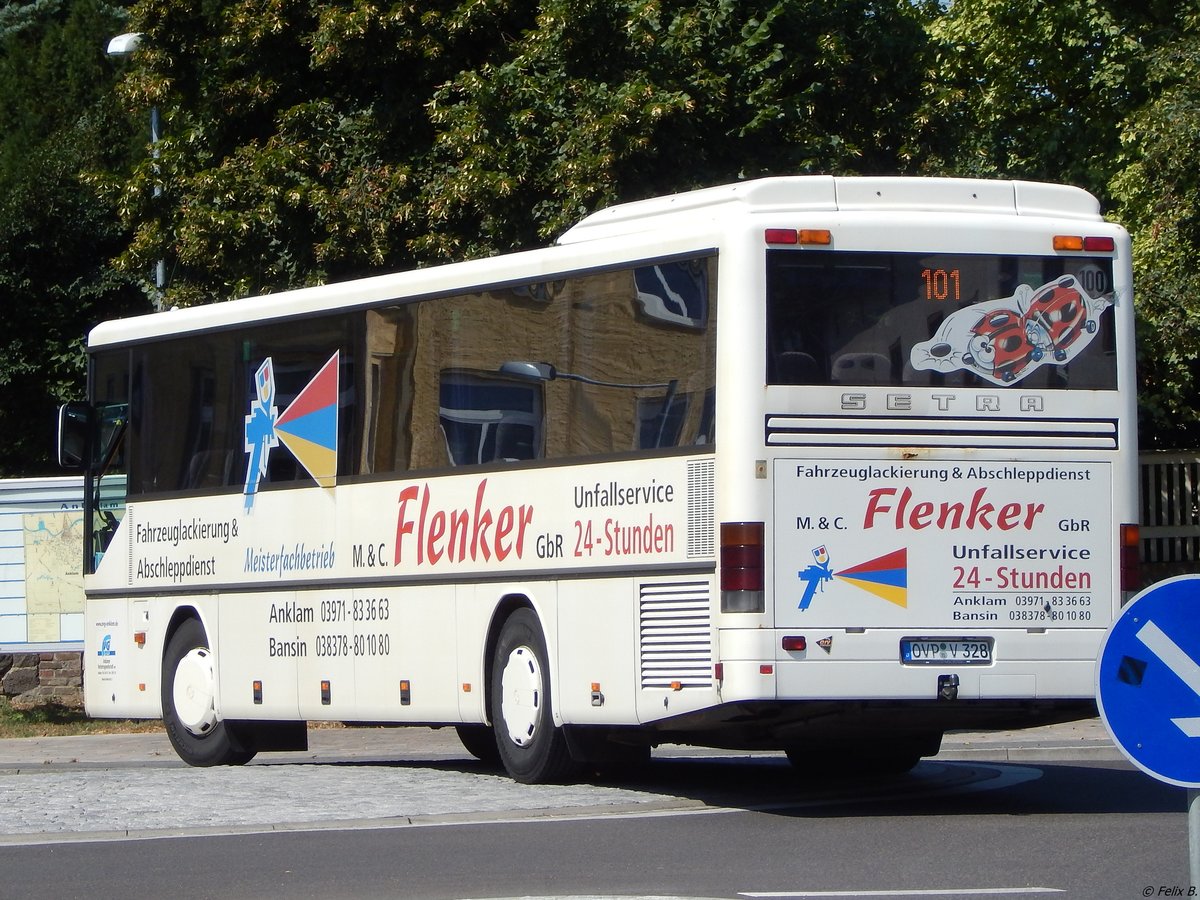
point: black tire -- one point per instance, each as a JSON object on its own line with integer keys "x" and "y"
{"x": 480, "y": 742}
{"x": 531, "y": 748}
{"x": 189, "y": 715}
{"x": 602, "y": 751}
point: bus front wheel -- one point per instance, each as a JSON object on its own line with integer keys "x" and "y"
{"x": 189, "y": 702}
{"x": 531, "y": 748}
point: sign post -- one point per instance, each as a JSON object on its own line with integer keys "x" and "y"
{"x": 1148, "y": 690}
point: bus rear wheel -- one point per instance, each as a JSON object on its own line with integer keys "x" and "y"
{"x": 531, "y": 748}
{"x": 892, "y": 757}
{"x": 189, "y": 703}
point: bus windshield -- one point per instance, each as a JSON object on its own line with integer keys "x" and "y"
{"x": 933, "y": 319}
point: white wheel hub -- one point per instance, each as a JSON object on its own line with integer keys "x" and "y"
{"x": 521, "y": 695}
{"x": 193, "y": 692}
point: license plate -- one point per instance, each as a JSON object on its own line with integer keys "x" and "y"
{"x": 932, "y": 651}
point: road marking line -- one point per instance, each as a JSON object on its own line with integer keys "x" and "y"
{"x": 934, "y": 892}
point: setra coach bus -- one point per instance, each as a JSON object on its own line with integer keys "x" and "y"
{"x": 818, "y": 464}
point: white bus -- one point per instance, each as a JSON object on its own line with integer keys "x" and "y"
{"x": 827, "y": 465}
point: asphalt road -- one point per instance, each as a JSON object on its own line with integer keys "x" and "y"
{"x": 697, "y": 827}
{"x": 97, "y": 787}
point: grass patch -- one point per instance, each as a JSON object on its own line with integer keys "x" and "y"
{"x": 56, "y": 720}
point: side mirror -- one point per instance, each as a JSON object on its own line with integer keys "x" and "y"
{"x": 74, "y": 435}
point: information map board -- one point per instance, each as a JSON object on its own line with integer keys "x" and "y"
{"x": 41, "y": 564}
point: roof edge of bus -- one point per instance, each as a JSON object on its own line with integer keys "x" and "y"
{"x": 694, "y": 212}
{"x": 342, "y": 295}
{"x": 798, "y": 193}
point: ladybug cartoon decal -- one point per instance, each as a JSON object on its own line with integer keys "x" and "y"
{"x": 1005, "y": 340}
{"x": 1057, "y": 317}
{"x": 1000, "y": 345}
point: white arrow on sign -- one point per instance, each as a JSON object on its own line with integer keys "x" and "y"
{"x": 1178, "y": 662}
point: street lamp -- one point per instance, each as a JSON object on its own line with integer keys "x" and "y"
{"x": 126, "y": 45}
{"x": 544, "y": 371}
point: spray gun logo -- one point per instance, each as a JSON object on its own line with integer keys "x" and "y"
{"x": 815, "y": 575}
{"x": 308, "y": 427}
{"x": 260, "y": 429}
{"x": 884, "y": 576}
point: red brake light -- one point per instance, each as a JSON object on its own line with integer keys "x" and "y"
{"x": 1131, "y": 565}
{"x": 822, "y": 236}
{"x": 1093, "y": 244}
{"x": 742, "y": 557}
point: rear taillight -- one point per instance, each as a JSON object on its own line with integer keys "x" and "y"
{"x": 1131, "y": 565}
{"x": 821, "y": 237}
{"x": 1091, "y": 243}
{"x": 742, "y": 567}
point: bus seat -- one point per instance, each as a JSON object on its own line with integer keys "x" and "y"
{"x": 796, "y": 367}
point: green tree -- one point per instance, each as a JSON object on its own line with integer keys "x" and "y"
{"x": 290, "y": 134}
{"x": 611, "y": 101}
{"x": 56, "y": 237}
{"x": 1037, "y": 90}
{"x": 1102, "y": 94}
{"x": 1158, "y": 190}
{"x": 310, "y": 141}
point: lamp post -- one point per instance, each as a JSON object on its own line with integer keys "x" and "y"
{"x": 126, "y": 45}
{"x": 544, "y": 371}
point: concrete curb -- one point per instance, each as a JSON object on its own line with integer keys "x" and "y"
{"x": 1084, "y": 740}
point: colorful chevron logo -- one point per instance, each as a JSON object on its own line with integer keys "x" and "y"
{"x": 885, "y": 576}
{"x": 308, "y": 427}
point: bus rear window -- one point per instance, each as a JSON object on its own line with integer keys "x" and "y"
{"x": 932, "y": 319}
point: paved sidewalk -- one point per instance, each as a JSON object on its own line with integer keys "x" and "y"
{"x": 1085, "y": 740}
{"x": 1075, "y": 741}
{"x": 117, "y": 787}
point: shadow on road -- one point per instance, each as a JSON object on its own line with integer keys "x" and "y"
{"x": 933, "y": 788}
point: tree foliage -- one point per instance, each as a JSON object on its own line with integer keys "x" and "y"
{"x": 1028, "y": 89}
{"x": 292, "y": 131}
{"x": 1102, "y": 94}
{"x": 57, "y": 237}
{"x": 1159, "y": 194}
{"x": 607, "y": 101}
{"x": 307, "y": 141}
{"x": 310, "y": 140}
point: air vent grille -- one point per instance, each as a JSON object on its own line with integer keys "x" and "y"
{"x": 676, "y": 634}
{"x": 701, "y": 542}
{"x": 962, "y": 432}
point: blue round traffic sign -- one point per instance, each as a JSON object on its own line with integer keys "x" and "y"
{"x": 1148, "y": 681}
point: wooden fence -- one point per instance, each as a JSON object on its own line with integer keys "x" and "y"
{"x": 1170, "y": 498}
